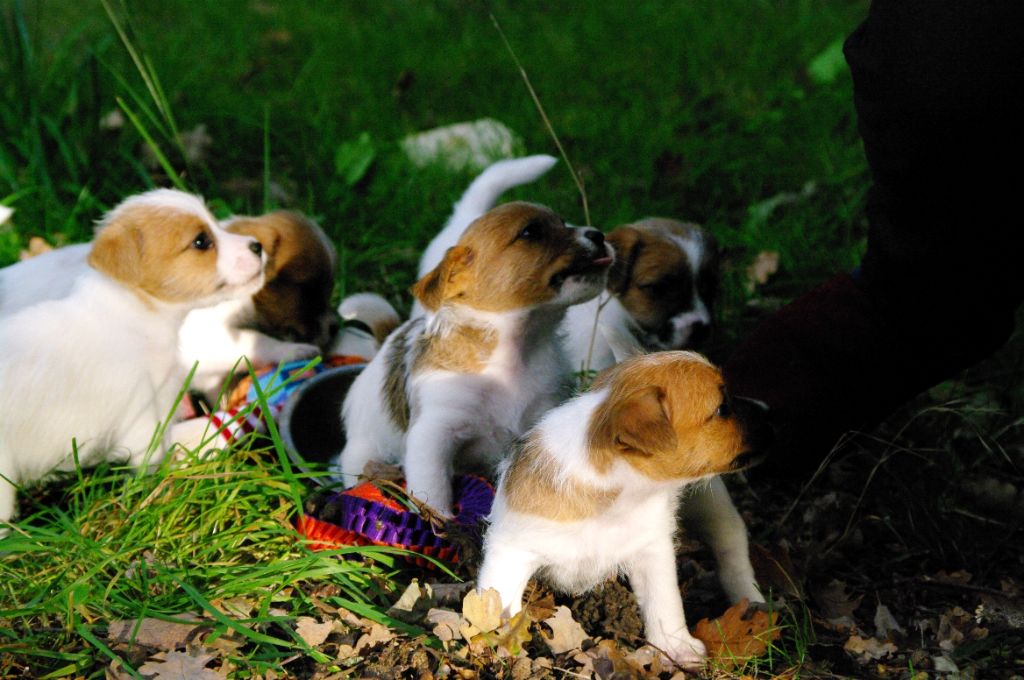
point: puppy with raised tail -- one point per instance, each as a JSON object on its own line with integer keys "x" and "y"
{"x": 591, "y": 491}
{"x": 457, "y": 386}
{"x": 97, "y": 370}
{"x": 660, "y": 293}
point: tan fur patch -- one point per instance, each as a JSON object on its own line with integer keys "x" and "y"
{"x": 660, "y": 416}
{"x": 496, "y": 268}
{"x": 463, "y": 349}
{"x": 396, "y": 394}
{"x": 149, "y": 247}
{"x": 531, "y": 489}
{"x": 296, "y": 297}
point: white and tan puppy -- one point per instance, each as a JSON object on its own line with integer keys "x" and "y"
{"x": 98, "y": 370}
{"x": 591, "y": 491}
{"x": 660, "y": 293}
{"x": 289, "y": 318}
{"x": 458, "y": 385}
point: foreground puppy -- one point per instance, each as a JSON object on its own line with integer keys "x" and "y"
{"x": 660, "y": 292}
{"x": 485, "y": 362}
{"x": 96, "y": 371}
{"x": 591, "y": 490}
{"x": 289, "y": 318}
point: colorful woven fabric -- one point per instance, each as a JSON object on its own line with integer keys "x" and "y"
{"x": 364, "y": 515}
{"x": 241, "y": 416}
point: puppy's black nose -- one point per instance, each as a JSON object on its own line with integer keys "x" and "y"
{"x": 594, "y": 236}
{"x": 255, "y": 247}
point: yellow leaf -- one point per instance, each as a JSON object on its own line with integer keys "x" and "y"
{"x": 482, "y": 610}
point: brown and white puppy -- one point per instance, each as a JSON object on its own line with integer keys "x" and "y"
{"x": 592, "y": 490}
{"x": 289, "y": 318}
{"x": 456, "y": 386}
{"x": 97, "y": 370}
{"x": 660, "y": 294}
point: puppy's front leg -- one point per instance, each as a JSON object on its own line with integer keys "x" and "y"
{"x": 652, "y": 574}
{"x": 430, "y": 449}
{"x": 714, "y": 517}
{"x": 507, "y": 570}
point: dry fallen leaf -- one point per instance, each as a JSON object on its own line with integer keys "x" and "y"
{"x": 414, "y": 603}
{"x": 566, "y": 633}
{"x": 178, "y": 665}
{"x": 509, "y": 638}
{"x": 236, "y": 607}
{"x": 837, "y": 605}
{"x": 765, "y": 264}
{"x": 482, "y": 611}
{"x": 164, "y": 635}
{"x": 36, "y": 246}
{"x": 446, "y": 623}
{"x": 885, "y": 622}
{"x": 732, "y": 639}
{"x": 868, "y": 649}
{"x": 377, "y": 635}
{"x": 542, "y": 607}
{"x": 312, "y": 632}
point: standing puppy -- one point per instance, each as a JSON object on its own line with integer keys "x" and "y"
{"x": 591, "y": 491}
{"x": 485, "y": 362}
{"x": 100, "y": 366}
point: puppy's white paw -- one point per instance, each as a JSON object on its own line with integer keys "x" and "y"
{"x": 688, "y": 652}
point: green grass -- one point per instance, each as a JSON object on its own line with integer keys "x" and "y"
{"x": 696, "y": 110}
{"x": 699, "y": 110}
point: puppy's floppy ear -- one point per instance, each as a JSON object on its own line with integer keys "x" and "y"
{"x": 626, "y": 241}
{"x": 117, "y": 252}
{"x": 640, "y": 424}
{"x": 447, "y": 280}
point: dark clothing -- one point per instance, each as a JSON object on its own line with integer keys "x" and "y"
{"x": 938, "y": 92}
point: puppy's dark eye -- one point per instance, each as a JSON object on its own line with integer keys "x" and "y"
{"x": 202, "y": 241}
{"x": 531, "y": 232}
{"x": 723, "y": 410}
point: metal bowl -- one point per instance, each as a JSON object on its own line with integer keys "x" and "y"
{"x": 310, "y": 422}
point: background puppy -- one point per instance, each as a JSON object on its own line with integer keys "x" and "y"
{"x": 661, "y": 290}
{"x": 100, "y": 366}
{"x": 660, "y": 294}
{"x": 591, "y": 491}
{"x": 485, "y": 361}
{"x": 289, "y": 318}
